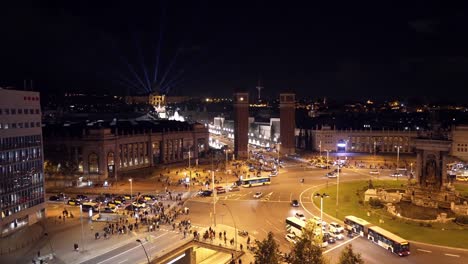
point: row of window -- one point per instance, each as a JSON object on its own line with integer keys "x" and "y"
{"x": 19, "y": 125}
{"x": 10, "y": 209}
{"x": 462, "y": 149}
{"x": 20, "y": 142}
{"x": 462, "y": 145}
{"x": 21, "y": 169}
{"x": 20, "y": 156}
{"x": 20, "y": 111}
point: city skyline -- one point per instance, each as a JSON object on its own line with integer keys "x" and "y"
{"x": 209, "y": 48}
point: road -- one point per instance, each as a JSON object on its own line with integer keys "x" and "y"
{"x": 260, "y": 216}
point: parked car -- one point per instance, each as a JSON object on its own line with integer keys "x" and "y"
{"x": 335, "y": 227}
{"x": 295, "y": 203}
{"x": 396, "y": 174}
{"x": 149, "y": 197}
{"x": 234, "y": 188}
{"x": 330, "y": 239}
{"x": 220, "y": 189}
{"x": 291, "y": 238}
{"x": 54, "y": 198}
{"x": 139, "y": 204}
{"x": 82, "y": 197}
{"x": 73, "y": 202}
{"x": 337, "y": 235}
{"x": 242, "y": 233}
{"x": 274, "y": 173}
{"x": 108, "y": 210}
{"x": 374, "y": 172}
{"x": 205, "y": 193}
{"x": 257, "y": 195}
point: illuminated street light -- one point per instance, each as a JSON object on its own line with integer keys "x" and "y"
{"x": 323, "y": 195}
{"x": 147, "y": 257}
{"x": 131, "y": 188}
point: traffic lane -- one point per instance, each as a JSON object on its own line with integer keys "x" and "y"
{"x": 429, "y": 253}
{"x": 134, "y": 253}
{"x": 370, "y": 253}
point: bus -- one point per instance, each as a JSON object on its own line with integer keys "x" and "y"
{"x": 294, "y": 226}
{"x": 388, "y": 240}
{"x": 356, "y": 225}
{"x": 257, "y": 181}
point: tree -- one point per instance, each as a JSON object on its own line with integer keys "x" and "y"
{"x": 266, "y": 250}
{"x": 307, "y": 249}
{"x": 349, "y": 257}
{"x": 305, "y": 252}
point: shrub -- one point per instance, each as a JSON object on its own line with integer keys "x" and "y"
{"x": 428, "y": 225}
{"x": 462, "y": 219}
{"x": 375, "y": 203}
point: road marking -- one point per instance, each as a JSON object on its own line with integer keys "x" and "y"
{"x": 423, "y": 250}
{"x": 264, "y": 230}
{"x": 279, "y": 230}
{"x": 452, "y": 255}
{"x": 290, "y": 197}
{"x": 122, "y": 253}
{"x": 122, "y": 261}
{"x": 337, "y": 246}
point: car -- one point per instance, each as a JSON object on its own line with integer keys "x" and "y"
{"x": 108, "y": 210}
{"x": 54, "y": 198}
{"x": 205, "y": 193}
{"x": 234, "y": 188}
{"x": 274, "y": 173}
{"x": 300, "y": 216}
{"x": 139, "y": 204}
{"x": 258, "y": 195}
{"x": 337, "y": 235}
{"x": 73, "y": 202}
{"x": 149, "y": 197}
{"x": 330, "y": 239}
{"x": 291, "y": 238}
{"x": 220, "y": 189}
{"x": 374, "y": 172}
{"x": 295, "y": 203}
{"x": 82, "y": 197}
{"x": 332, "y": 175}
{"x": 396, "y": 174}
{"x": 335, "y": 227}
{"x": 242, "y": 233}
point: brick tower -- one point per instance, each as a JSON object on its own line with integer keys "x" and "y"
{"x": 241, "y": 124}
{"x": 287, "y": 123}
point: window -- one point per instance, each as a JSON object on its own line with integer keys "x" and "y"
{"x": 25, "y": 111}
{"x": 38, "y": 124}
{"x": 37, "y": 111}
{"x": 13, "y": 111}
{"x": 7, "y": 111}
{"x": 93, "y": 163}
{"x": 13, "y": 125}
{"x": 20, "y": 111}
{"x": 31, "y": 111}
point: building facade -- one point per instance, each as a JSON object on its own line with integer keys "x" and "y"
{"x": 22, "y": 193}
{"x": 101, "y": 150}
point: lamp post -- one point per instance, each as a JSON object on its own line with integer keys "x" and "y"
{"x": 147, "y": 257}
{"x": 278, "y": 168}
{"x": 235, "y": 226}
{"x": 82, "y": 229}
{"x": 320, "y": 146}
{"x": 50, "y": 243}
{"x": 131, "y": 188}
{"x": 398, "y": 161}
{"x": 327, "y": 157}
{"x": 323, "y": 195}
{"x": 337, "y": 190}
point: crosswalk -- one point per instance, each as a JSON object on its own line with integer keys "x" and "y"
{"x": 246, "y": 196}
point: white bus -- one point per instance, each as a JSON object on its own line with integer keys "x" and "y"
{"x": 389, "y": 241}
{"x": 356, "y": 225}
{"x": 257, "y": 181}
{"x": 294, "y": 226}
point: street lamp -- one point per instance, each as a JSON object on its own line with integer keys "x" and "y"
{"x": 235, "y": 226}
{"x": 131, "y": 188}
{"x": 398, "y": 157}
{"x": 323, "y": 195}
{"x": 278, "y": 167}
{"x": 50, "y": 243}
{"x": 82, "y": 229}
{"x": 147, "y": 257}
{"x": 320, "y": 146}
{"x": 337, "y": 189}
{"x": 327, "y": 157}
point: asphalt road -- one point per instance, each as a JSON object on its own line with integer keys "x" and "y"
{"x": 260, "y": 216}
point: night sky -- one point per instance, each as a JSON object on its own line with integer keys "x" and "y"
{"x": 340, "y": 49}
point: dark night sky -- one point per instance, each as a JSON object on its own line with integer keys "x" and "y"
{"x": 340, "y": 49}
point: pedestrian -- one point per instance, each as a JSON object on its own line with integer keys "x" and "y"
{"x": 38, "y": 253}
{"x": 241, "y": 247}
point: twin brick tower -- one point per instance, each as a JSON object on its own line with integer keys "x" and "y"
{"x": 241, "y": 124}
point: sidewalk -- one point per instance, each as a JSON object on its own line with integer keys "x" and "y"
{"x": 246, "y": 256}
{"x": 63, "y": 234}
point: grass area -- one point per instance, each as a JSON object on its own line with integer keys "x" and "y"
{"x": 462, "y": 188}
{"x": 350, "y": 195}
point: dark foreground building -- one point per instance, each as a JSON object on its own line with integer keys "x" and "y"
{"x": 21, "y": 163}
